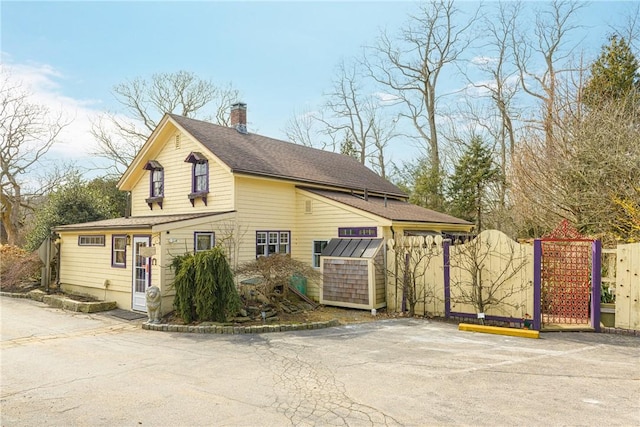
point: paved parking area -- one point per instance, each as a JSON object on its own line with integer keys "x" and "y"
{"x": 71, "y": 369}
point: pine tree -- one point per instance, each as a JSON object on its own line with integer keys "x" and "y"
{"x": 614, "y": 75}
{"x": 469, "y": 184}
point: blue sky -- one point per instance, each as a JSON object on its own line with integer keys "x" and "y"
{"x": 280, "y": 55}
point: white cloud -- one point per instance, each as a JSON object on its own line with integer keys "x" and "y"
{"x": 44, "y": 84}
{"x": 485, "y": 87}
{"x": 386, "y": 98}
{"x": 483, "y": 60}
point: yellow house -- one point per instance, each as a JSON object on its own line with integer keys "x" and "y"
{"x": 195, "y": 184}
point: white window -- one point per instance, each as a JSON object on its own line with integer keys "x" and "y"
{"x": 119, "y": 251}
{"x": 157, "y": 183}
{"x": 318, "y": 246}
{"x": 203, "y": 240}
{"x": 200, "y": 177}
{"x": 272, "y": 242}
{"x": 91, "y": 240}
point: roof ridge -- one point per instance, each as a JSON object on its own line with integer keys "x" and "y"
{"x": 261, "y": 155}
{"x": 293, "y": 144}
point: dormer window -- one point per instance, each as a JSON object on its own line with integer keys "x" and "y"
{"x": 199, "y": 177}
{"x": 156, "y": 183}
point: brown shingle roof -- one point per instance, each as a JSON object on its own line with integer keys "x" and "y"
{"x": 261, "y": 155}
{"x": 132, "y": 222}
{"x": 395, "y": 210}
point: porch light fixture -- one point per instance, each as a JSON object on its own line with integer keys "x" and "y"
{"x": 128, "y": 239}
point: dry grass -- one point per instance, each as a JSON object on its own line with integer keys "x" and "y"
{"x": 19, "y": 270}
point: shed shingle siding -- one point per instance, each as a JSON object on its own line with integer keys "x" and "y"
{"x": 346, "y": 280}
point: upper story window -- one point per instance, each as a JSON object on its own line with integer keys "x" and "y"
{"x": 203, "y": 240}
{"x": 272, "y": 242}
{"x": 156, "y": 183}
{"x": 199, "y": 177}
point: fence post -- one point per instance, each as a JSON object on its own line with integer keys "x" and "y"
{"x": 446, "y": 244}
{"x": 537, "y": 284}
{"x": 596, "y": 282}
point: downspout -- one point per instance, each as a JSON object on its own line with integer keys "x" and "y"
{"x": 59, "y": 249}
{"x": 127, "y": 209}
{"x": 395, "y": 266}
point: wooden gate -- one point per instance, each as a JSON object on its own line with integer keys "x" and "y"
{"x": 566, "y": 266}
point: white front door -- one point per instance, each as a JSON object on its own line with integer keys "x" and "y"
{"x": 141, "y": 273}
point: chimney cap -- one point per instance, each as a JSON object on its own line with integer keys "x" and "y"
{"x": 240, "y": 105}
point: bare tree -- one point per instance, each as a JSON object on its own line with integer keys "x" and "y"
{"x": 487, "y": 272}
{"x": 306, "y": 128}
{"x": 411, "y": 265}
{"x": 120, "y": 135}
{"x": 581, "y": 178}
{"x": 358, "y": 118}
{"x": 28, "y": 131}
{"x": 229, "y": 237}
{"x": 501, "y": 86}
{"x": 552, "y": 29}
{"x": 410, "y": 67}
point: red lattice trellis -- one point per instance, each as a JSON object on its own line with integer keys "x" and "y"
{"x": 566, "y": 282}
{"x": 564, "y": 231}
{"x": 566, "y": 276}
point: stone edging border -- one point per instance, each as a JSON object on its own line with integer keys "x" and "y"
{"x": 220, "y": 329}
{"x": 207, "y": 328}
{"x": 60, "y": 301}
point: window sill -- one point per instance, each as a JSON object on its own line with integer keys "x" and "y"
{"x": 151, "y": 200}
{"x": 200, "y": 195}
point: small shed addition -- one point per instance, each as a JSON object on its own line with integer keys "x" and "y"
{"x": 353, "y": 273}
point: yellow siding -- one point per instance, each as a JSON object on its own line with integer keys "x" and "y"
{"x": 322, "y": 223}
{"x": 87, "y": 270}
{"x": 263, "y": 205}
{"x": 177, "y": 182}
{"x": 179, "y": 241}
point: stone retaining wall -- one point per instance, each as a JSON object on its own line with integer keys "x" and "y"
{"x": 61, "y": 301}
{"x": 220, "y": 329}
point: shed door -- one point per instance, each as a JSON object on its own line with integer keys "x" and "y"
{"x": 141, "y": 273}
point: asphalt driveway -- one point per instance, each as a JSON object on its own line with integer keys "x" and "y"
{"x": 62, "y": 368}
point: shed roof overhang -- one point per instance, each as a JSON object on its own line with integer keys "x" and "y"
{"x": 352, "y": 248}
{"x": 154, "y": 223}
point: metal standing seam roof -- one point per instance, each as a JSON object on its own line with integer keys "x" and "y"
{"x": 260, "y": 155}
{"x": 352, "y": 248}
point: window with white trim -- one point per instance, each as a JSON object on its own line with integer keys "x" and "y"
{"x": 203, "y": 240}
{"x": 119, "y": 251}
{"x": 272, "y": 242}
{"x": 91, "y": 240}
{"x": 156, "y": 183}
{"x": 318, "y": 246}
{"x": 200, "y": 177}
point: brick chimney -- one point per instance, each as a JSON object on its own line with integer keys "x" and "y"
{"x": 238, "y": 117}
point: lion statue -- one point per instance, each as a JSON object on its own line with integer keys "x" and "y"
{"x": 154, "y": 300}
